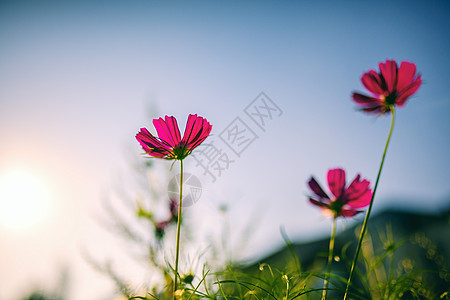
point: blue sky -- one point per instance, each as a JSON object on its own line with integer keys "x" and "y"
{"x": 78, "y": 80}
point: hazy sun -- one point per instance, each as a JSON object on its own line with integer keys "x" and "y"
{"x": 25, "y": 200}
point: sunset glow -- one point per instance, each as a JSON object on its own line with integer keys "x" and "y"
{"x": 25, "y": 200}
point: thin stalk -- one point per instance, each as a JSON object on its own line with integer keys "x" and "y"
{"x": 366, "y": 219}
{"x": 180, "y": 204}
{"x": 330, "y": 260}
{"x": 286, "y": 278}
{"x": 391, "y": 275}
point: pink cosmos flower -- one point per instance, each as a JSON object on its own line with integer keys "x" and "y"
{"x": 169, "y": 144}
{"x": 390, "y": 87}
{"x": 346, "y": 200}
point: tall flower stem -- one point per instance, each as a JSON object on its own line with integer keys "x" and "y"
{"x": 366, "y": 219}
{"x": 180, "y": 204}
{"x": 330, "y": 260}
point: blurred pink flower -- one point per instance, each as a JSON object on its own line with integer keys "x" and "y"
{"x": 346, "y": 200}
{"x": 392, "y": 86}
{"x": 169, "y": 144}
{"x": 161, "y": 226}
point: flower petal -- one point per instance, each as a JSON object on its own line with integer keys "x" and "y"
{"x": 361, "y": 201}
{"x": 408, "y": 91}
{"x": 205, "y": 131}
{"x": 151, "y": 145}
{"x": 192, "y": 127}
{"x": 356, "y": 189}
{"x": 336, "y": 181}
{"x": 363, "y": 99}
{"x": 174, "y": 131}
{"x": 406, "y": 74}
{"x": 317, "y": 189}
{"x": 318, "y": 203}
{"x": 348, "y": 213}
{"x": 168, "y": 130}
{"x": 374, "y": 110}
{"x": 389, "y": 74}
{"x": 369, "y": 104}
{"x": 197, "y": 130}
{"x": 372, "y": 82}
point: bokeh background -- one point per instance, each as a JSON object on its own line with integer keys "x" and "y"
{"x": 79, "y": 78}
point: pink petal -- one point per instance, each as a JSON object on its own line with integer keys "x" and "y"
{"x": 336, "y": 181}
{"x": 318, "y": 203}
{"x": 372, "y": 82}
{"x": 162, "y": 224}
{"x": 363, "y": 99}
{"x": 361, "y": 201}
{"x": 406, "y": 74}
{"x": 205, "y": 130}
{"x": 348, "y": 213}
{"x": 173, "y": 207}
{"x": 317, "y": 189}
{"x": 172, "y": 125}
{"x": 369, "y": 104}
{"x": 197, "y": 130}
{"x": 146, "y": 139}
{"x": 168, "y": 130}
{"x": 190, "y": 131}
{"x": 150, "y": 144}
{"x": 389, "y": 73}
{"x": 356, "y": 189}
{"x": 408, "y": 91}
{"x": 374, "y": 110}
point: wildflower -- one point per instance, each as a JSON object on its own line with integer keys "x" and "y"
{"x": 392, "y": 86}
{"x": 160, "y": 227}
{"x": 346, "y": 200}
{"x": 173, "y": 208}
{"x": 169, "y": 144}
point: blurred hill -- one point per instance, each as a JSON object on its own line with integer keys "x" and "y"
{"x": 419, "y": 243}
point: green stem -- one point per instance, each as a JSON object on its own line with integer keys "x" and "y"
{"x": 330, "y": 260}
{"x": 180, "y": 204}
{"x": 366, "y": 219}
{"x": 286, "y": 278}
{"x": 391, "y": 274}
